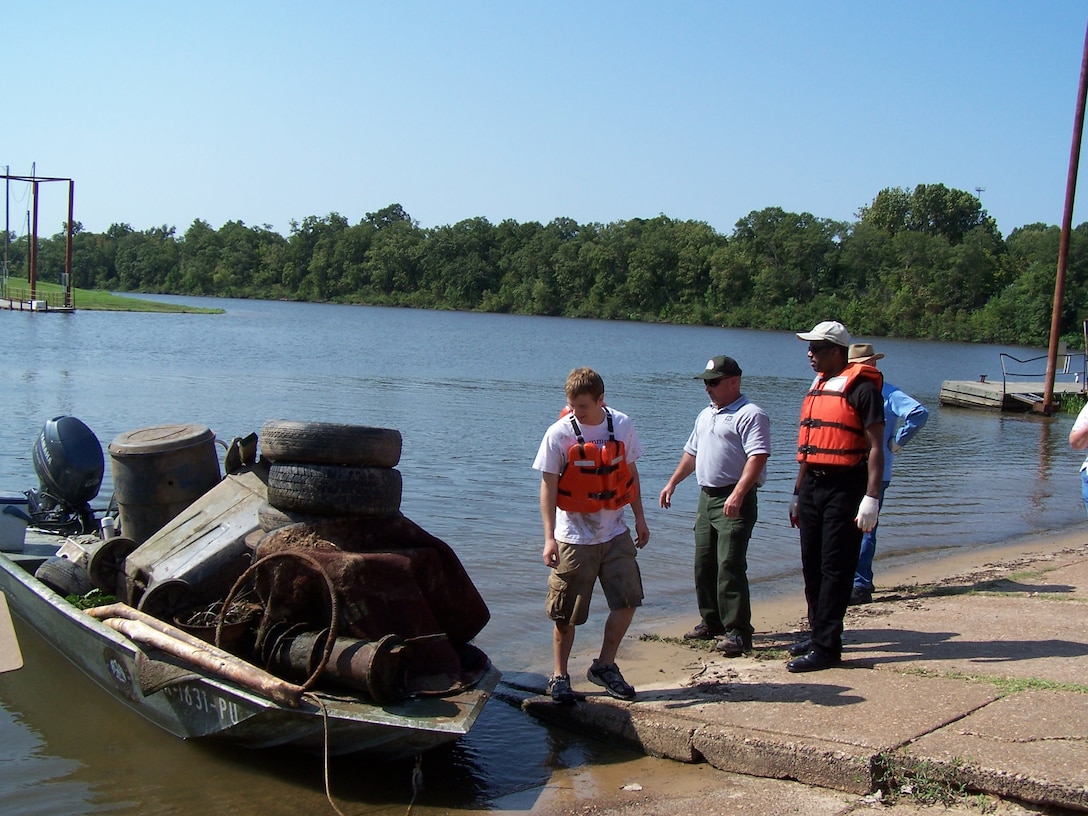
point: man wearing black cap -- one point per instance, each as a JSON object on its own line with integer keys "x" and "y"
{"x": 727, "y": 451}
{"x": 840, "y": 451}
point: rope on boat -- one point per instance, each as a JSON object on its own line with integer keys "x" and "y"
{"x": 309, "y": 695}
{"x": 417, "y": 782}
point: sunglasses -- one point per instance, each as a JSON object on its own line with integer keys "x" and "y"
{"x": 718, "y": 380}
{"x": 816, "y": 348}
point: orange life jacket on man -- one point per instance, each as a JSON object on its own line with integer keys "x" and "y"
{"x": 831, "y": 432}
{"x": 596, "y": 477}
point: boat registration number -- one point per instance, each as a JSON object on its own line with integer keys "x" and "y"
{"x": 204, "y": 702}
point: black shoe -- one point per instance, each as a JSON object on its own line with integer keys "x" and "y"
{"x": 801, "y": 647}
{"x": 733, "y": 645}
{"x": 813, "y": 661}
{"x": 610, "y": 677}
{"x": 860, "y": 595}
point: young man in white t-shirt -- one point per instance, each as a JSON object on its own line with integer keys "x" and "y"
{"x": 587, "y": 463}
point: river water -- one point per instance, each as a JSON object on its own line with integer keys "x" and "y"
{"x": 471, "y": 395}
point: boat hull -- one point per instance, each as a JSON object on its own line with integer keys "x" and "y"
{"x": 194, "y": 705}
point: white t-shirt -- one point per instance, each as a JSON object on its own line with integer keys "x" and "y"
{"x": 1082, "y": 420}
{"x": 551, "y": 457}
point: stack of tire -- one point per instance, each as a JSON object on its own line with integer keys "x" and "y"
{"x": 319, "y": 470}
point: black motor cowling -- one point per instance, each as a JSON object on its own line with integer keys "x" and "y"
{"x": 68, "y": 461}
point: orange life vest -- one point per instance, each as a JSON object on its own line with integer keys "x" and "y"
{"x": 596, "y": 477}
{"x": 831, "y": 432}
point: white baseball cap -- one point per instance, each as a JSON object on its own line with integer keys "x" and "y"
{"x": 830, "y": 330}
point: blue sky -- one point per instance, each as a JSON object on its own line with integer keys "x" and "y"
{"x": 598, "y": 111}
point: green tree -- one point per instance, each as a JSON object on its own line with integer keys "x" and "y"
{"x": 932, "y": 209}
{"x": 145, "y": 259}
{"x": 200, "y": 248}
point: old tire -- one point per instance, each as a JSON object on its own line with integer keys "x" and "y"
{"x": 64, "y": 577}
{"x": 166, "y": 600}
{"x": 329, "y": 443}
{"x": 106, "y": 563}
{"x": 334, "y": 491}
{"x": 271, "y": 518}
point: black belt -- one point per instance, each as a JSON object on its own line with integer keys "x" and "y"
{"x": 718, "y": 492}
{"x": 835, "y": 472}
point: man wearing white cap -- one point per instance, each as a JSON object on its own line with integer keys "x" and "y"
{"x": 840, "y": 450}
{"x": 899, "y": 406}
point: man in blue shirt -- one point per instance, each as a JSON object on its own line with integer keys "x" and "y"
{"x": 903, "y": 418}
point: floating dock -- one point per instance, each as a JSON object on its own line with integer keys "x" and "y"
{"x": 19, "y": 305}
{"x": 1001, "y": 396}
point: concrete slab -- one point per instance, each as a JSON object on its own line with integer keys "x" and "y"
{"x": 921, "y": 684}
{"x": 1000, "y": 635}
{"x": 1031, "y": 746}
{"x": 823, "y": 729}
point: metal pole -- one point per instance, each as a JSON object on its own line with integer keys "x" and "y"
{"x": 34, "y": 245}
{"x": 1063, "y": 245}
{"x": 7, "y": 217}
{"x": 68, "y": 248}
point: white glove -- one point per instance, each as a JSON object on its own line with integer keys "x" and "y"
{"x": 893, "y": 447}
{"x": 793, "y": 507}
{"x": 868, "y": 511}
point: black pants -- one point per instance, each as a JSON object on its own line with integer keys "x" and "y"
{"x": 830, "y": 542}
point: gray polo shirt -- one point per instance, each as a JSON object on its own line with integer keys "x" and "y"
{"x": 724, "y": 438}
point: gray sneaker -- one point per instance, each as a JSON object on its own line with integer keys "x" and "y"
{"x": 733, "y": 645}
{"x": 559, "y": 688}
{"x": 610, "y": 677}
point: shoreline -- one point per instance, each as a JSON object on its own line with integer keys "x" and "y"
{"x": 670, "y": 786}
{"x": 778, "y": 606}
{"x": 783, "y": 611}
{"x": 653, "y": 643}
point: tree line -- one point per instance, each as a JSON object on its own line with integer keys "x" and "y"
{"x": 922, "y": 263}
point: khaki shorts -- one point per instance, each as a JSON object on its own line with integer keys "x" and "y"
{"x": 570, "y": 585}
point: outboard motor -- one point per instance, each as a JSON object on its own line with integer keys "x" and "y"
{"x": 69, "y": 463}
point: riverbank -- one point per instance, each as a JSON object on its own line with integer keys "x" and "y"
{"x": 17, "y": 291}
{"x": 963, "y": 681}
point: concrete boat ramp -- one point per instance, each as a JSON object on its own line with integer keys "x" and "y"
{"x": 978, "y": 682}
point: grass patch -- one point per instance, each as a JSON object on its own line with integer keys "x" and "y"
{"x": 96, "y": 597}
{"x": 757, "y": 653}
{"x": 927, "y": 783}
{"x": 96, "y": 299}
{"x": 1006, "y": 685}
{"x": 1069, "y": 402}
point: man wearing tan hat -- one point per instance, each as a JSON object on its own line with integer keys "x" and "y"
{"x": 899, "y": 406}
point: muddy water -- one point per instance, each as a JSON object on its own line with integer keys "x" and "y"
{"x": 471, "y": 395}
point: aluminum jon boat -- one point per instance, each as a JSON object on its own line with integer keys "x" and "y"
{"x": 384, "y": 677}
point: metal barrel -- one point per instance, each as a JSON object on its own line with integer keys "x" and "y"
{"x": 158, "y": 472}
{"x": 376, "y": 668}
